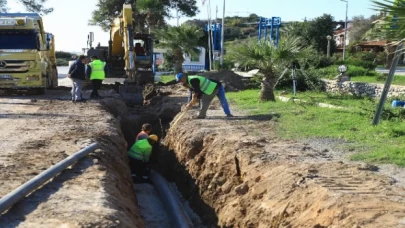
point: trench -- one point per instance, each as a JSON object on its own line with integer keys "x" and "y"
{"x": 164, "y": 162}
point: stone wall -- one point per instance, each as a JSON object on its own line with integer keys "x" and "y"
{"x": 361, "y": 88}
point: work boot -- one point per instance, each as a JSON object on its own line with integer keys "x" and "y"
{"x": 229, "y": 115}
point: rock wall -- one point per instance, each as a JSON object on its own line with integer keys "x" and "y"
{"x": 361, "y": 88}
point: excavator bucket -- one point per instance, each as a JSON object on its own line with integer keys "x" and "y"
{"x": 132, "y": 94}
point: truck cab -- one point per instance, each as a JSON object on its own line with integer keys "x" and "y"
{"x": 23, "y": 53}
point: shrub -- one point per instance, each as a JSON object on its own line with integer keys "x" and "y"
{"x": 363, "y": 56}
{"x": 62, "y": 62}
{"x": 316, "y": 60}
{"x": 381, "y": 58}
{"x": 353, "y": 71}
{"x": 306, "y": 80}
{"x": 359, "y": 63}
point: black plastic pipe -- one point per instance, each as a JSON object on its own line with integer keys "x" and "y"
{"x": 19, "y": 193}
{"x": 171, "y": 201}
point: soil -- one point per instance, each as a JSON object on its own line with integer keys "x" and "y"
{"x": 238, "y": 173}
{"x": 39, "y": 131}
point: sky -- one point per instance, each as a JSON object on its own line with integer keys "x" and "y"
{"x": 69, "y": 20}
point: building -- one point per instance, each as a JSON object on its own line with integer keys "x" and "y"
{"x": 339, "y": 35}
{"x": 191, "y": 63}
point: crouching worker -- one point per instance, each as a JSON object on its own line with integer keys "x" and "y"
{"x": 146, "y": 129}
{"x": 204, "y": 89}
{"x": 139, "y": 156}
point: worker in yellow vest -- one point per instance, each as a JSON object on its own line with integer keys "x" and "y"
{"x": 204, "y": 89}
{"x": 139, "y": 155}
{"x": 96, "y": 71}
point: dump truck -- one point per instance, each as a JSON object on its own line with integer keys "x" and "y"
{"x": 25, "y": 54}
{"x": 52, "y": 70}
{"x": 128, "y": 55}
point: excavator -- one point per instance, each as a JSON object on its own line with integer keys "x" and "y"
{"x": 124, "y": 59}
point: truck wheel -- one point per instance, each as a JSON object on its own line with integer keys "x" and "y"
{"x": 40, "y": 91}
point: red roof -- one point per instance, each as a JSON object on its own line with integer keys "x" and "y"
{"x": 373, "y": 43}
{"x": 337, "y": 32}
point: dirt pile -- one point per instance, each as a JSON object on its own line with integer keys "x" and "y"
{"x": 95, "y": 192}
{"x": 232, "y": 81}
{"x": 237, "y": 173}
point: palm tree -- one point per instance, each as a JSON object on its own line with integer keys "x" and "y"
{"x": 392, "y": 26}
{"x": 266, "y": 57}
{"x": 181, "y": 40}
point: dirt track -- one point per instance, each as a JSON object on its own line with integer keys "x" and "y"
{"x": 240, "y": 174}
{"x": 35, "y": 134}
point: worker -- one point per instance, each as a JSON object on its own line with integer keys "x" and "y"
{"x": 96, "y": 71}
{"x": 146, "y": 129}
{"x": 139, "y": 155}
{"x": 77, "y": 74}
{"x": 204, "y": 89}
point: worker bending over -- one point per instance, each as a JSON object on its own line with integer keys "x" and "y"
{"x": 96, "y": 71}
{"x": 139, "y": 156}
{"x": 204, "y": 89}
{"x": 146, "y": 129}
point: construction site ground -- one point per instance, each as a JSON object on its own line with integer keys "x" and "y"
{"x": 233, "y": 172}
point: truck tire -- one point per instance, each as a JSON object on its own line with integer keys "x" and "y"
{"x": 40, "y": 91}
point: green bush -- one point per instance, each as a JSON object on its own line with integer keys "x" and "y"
{"x": 306, "y": 80}
{"x": 63, "y": 55}
{"x": 381, "y": 58}
{"x": 312, "y": 58}
{"x": 62, "y": 62}
{"x": 353, "y": 71}
{"x": 364, "y": 64}
{"x": 363, "y": 56}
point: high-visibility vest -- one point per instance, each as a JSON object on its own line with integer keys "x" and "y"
{"x": 206, "y": 86}
{"x": 141, "y": 150}
{"x": 97, "y": 70}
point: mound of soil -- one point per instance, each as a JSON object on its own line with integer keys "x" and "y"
{"x": 238, "y": 173}
{"x": 232, "y": 81}
{"x": 97, "y": 191}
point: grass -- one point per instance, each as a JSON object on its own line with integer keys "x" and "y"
{"x": 167, "y": 78}
{"x": 384, "y": 143}
{"x": 398, "y": 80}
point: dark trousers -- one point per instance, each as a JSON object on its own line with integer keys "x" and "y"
{"x": 138, "y": 167}
{"x": 96, "y": 83}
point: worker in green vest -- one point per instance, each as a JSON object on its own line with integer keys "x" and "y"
{"x": 139, "y": 155}
{"x": 96, "y": 71}
{"x": 204, "y": 89}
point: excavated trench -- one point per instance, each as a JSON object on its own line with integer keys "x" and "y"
{"x": 233, "y": 179}
{"x": 163, "y": 161}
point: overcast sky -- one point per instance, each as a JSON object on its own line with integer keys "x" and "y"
{"x": 69, "y": 20}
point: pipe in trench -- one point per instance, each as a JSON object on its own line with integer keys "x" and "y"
{"x": 171, "y": 202}
{"x": 17, "y": 194}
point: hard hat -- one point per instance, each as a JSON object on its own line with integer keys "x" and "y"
{"x": 179, "y": 76}
{"x": 154, "y": 137}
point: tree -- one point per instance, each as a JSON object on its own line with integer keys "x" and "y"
{"x": 360, "y": 27}
{"x": 266, "y": 57}
{"x": 318, "y": 29}
{"x": 392, "y": 26}
{"x": 30, "y": 5}
{"x": 313, "y": 32}
{"x": 181, "y": 40}
{"x": 146, "y": 13}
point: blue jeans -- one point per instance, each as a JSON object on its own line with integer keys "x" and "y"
{"x": 224, "y": 102}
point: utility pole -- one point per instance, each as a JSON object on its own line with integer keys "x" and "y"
{"x": 345, "y": 38}
{"x": 209, "y": 35}
{"x": 222, "y": 36}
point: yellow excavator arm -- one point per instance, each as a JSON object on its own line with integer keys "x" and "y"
{"x": 122, "y": 40}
